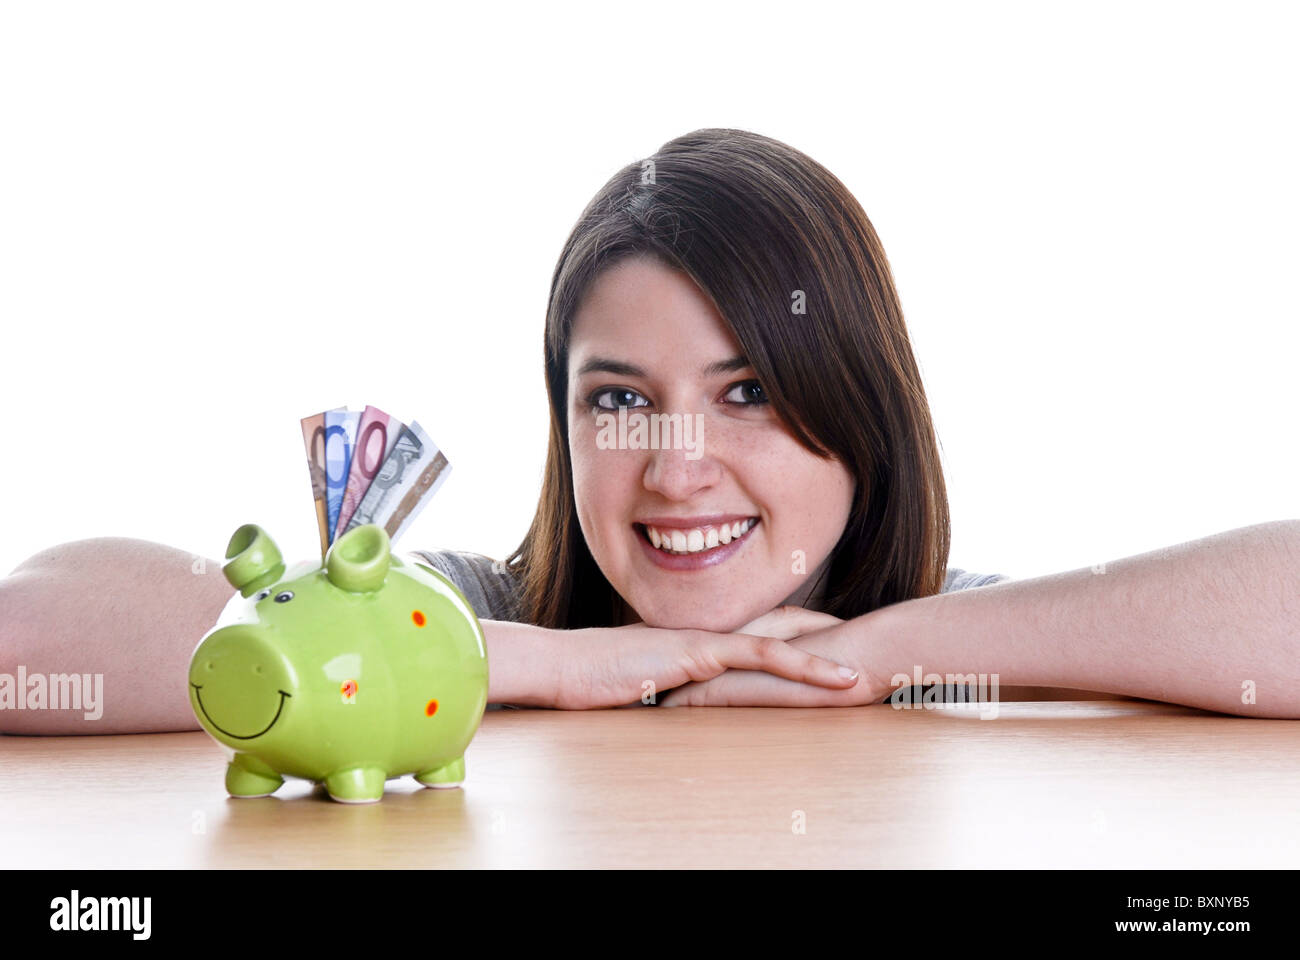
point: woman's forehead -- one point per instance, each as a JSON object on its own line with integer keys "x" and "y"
{"x": 640, "y": 309}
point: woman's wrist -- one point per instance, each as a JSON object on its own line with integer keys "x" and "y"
{"x": 971, "y": 633}
{"x": 913, "y": 639}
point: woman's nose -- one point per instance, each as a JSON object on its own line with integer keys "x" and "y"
{"x": 678, "y": 473}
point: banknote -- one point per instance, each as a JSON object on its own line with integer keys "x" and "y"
{"x": 313, "y": 438}
{"x": 413, "y": 501}
{"x": 377, "y": 434}
{"x": 411, "y": 473}
{"x": 368, "y": 466}
{"x": 340, "y": 435}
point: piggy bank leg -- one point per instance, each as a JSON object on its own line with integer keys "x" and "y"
{"x": 448, "y": 775}
{"x": 249, "y": 777}
{"x": 356, "y": 785}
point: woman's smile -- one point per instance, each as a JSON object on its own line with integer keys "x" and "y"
{"x": 695, "y": 543}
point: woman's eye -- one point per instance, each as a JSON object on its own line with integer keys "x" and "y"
{"x": 620, "y": 395}
{"x": 751, "y": 394}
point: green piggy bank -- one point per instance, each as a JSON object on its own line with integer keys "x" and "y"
{"x": 348, "y": 673}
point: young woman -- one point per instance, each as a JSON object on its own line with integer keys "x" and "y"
{"x": 778, "y": 536}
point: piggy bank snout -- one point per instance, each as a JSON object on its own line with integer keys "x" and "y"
{"x": 240, "y": 682}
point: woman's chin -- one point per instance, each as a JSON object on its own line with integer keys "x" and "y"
{"x": 713, "y": 623}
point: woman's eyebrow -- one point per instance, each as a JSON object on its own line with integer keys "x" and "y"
{"x": 619, "y": 368}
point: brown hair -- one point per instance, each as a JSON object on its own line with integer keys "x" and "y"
{"x": 751, "y": 221}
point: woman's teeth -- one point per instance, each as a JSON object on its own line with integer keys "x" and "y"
{"x": 700, "y": 538}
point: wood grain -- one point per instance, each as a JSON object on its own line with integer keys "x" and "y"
{"x": 1085, "y": 783}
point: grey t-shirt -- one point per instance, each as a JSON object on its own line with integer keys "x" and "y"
{"x": 493, "y": 591}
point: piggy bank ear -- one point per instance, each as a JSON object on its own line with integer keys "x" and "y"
{"x": 358, "y": 560}
{"x": 253, "y": 560}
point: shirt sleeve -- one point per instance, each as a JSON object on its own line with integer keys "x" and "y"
{"x": 489, "y": 588}
{"x": 958, "y": 579}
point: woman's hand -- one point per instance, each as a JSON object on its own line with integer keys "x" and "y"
{"x": 616, "y": 666}
{"x": 787, "y": 622}
{"x": 808, "y": 630}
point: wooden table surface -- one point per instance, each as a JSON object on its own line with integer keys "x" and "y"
{"x": 1089, "y": 783}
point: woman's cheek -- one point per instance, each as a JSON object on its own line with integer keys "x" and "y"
{"x": 583, "y": 487}
{"x": 600, "y": 492}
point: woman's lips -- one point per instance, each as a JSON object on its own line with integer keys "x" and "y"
{"x": 708, "y": 557}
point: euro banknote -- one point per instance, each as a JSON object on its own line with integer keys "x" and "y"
{"x": 369, "y": 467}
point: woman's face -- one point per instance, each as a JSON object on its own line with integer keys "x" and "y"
{"x": 644, "y": 338}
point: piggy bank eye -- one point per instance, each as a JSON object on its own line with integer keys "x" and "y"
{"x": 261, "y": 595}
{"x": 284, "y": 597}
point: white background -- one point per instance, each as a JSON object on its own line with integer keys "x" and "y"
{"x": 216, "y": 219}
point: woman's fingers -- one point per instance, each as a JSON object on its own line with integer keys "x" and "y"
{"x": 750, "y": 688}
{"x": 788, "y": 622}
{"x": 775, "y": 656}
{"x": 612, "y": 666}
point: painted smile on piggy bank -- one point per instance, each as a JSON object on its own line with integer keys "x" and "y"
{"x": 348, "y": 673}
{"x": 232, "y": 735}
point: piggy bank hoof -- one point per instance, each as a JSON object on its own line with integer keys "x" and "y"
{"x": 247, "y": 784}
{"x": 356, "y": 785}
{"x": 448, "y": 775}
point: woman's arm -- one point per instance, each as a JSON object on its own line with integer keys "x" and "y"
{"x": 1213, "y": 623}
{"x": 124, "y": 613}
